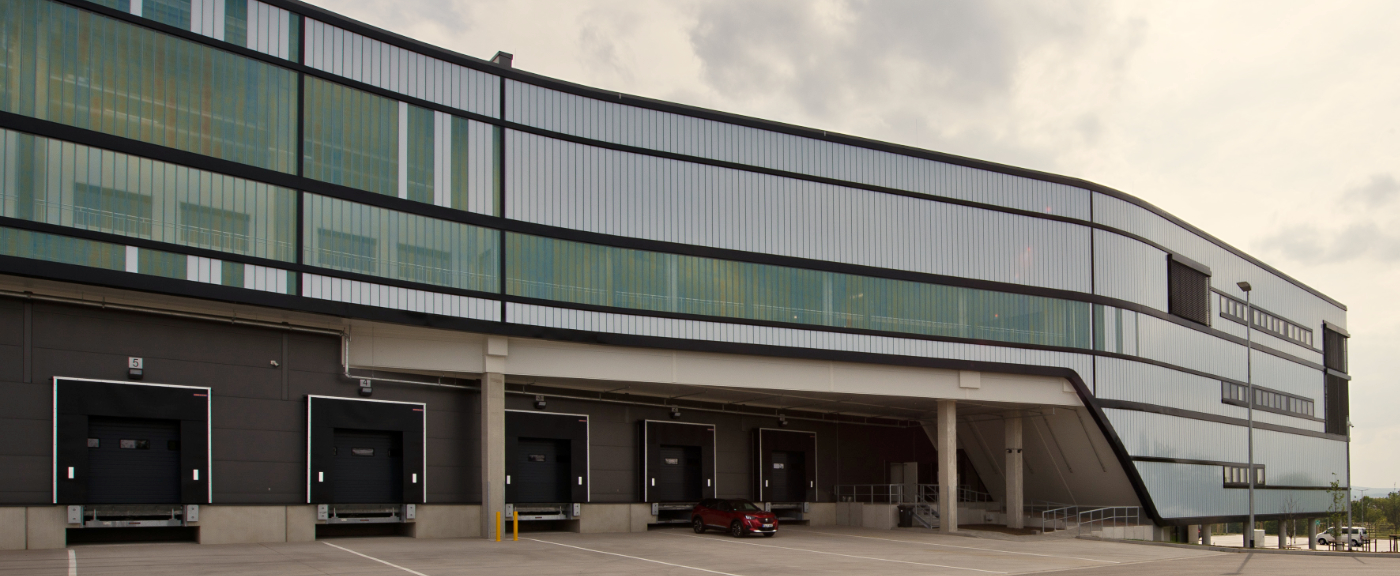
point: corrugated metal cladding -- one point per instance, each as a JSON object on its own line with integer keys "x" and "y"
{"x": 1136, "y": 382}
{"x": 1270, "y": 291}
{"x": 1287, "y": 376}
{"x": 1130, "y": 270}
{"x": 1289, "y": 459}
{"x": 1233, "y": 328}
{"x": 1193, "y": 491}
{"x": 622, "y": 124}
{"x": 368, "y": 294}
{"x": 587, "y": 188}
{"x": 389, "y": 67}
{"x": 552, "y": 317}
{"x": 1165, "y": 341}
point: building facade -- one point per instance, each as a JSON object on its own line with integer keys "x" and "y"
{"x": 295, "y": 216}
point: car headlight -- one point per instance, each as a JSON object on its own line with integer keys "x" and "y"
{"x": 749, "y": 517}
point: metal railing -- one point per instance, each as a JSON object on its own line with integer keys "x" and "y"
{"x": 1109, "y": 516}
{"x": 871, "y": 493}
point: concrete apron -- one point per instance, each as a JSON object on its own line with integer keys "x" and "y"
{"x": 45, "y": 527}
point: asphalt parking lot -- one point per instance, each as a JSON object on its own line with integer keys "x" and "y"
{"x": 797, "y": 550}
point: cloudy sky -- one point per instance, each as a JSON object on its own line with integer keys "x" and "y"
{"x": 1271, "y": 124}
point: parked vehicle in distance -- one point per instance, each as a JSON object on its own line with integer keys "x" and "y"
{"x": 737, "y": 516}
{"x": 1357, "y": 535}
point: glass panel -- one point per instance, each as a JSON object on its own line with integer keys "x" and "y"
{"x": 605, "y": 276}
{"x": 357, "y": 238}
{"x": 460, "y": 185}
{"x": 62, "y": 249}
{"x": 236, "y": 22}
{"x": 47, "y": 180}
{"x": 78, "y": 68}
{"x": 352, "y": 138}
{"x": 173, "y": 12}
{"x": 420, "y": 154}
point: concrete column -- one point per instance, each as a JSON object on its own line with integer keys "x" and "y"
{"x": 1312, "y": 533}
{"x": 948, "y": 465}
{"x": 1015, "y": 482}
{"x": 1205, "y": 534}
{"x": 1283, "y": 534}
{"x": 1193, "y": 534}
{"x": 493, "y": 451}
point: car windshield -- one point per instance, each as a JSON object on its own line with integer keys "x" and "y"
{"x": 744, "y": 506}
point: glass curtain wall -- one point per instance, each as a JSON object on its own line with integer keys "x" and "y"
{"x": 57, "y": 182}
{"x": 74, "y": 67}
{"x": 364, "y": 239}
{"x": 581, "y": 273}
{"x": 352, "y": 137}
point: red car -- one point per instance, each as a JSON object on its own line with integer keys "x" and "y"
{"x": 739, "y": 517}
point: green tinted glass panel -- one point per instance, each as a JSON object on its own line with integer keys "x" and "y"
{"x": 157, "y": 263}
{"x": 357, "y": 238}
{"x": 55, "y": 248}
{"x": 352, "y": 138}
{"x": 236, "y": 22}
{"x": 420, "y": 154}
{"x": 460, "y": 186}
{"x": 74, "y": 67}
{"x": 173, "y": 12}
{"x": 590, "y": 274}
{"x": 57, "y": 182}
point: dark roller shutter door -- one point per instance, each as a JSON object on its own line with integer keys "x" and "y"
{"x": 788, "y": 480}
{"x": 680, "y": 474}
{"x": 133, "y": 461}
{"x": 368, "y": 467}
{"x": 542, "y": 471}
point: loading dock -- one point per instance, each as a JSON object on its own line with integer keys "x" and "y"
{"x": 786, "y": 465}
{"x": 678, "y": 461}
{"x": 365, "y": 460}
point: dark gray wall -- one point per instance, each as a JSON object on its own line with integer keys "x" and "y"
{"x": 259, "y": 411}
{"x": 258, "y": 415}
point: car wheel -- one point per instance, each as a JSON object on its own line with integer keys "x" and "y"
{"x": 736, "y": 529}
{"x": 699, "y": 526}
{"x": 769, "y": 534}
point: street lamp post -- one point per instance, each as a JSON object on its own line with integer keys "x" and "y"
{"x": 1249, "y": 380}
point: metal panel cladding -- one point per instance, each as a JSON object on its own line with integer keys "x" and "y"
{"x": 588, "y": 188}
{"x": 376, "y": 63}
{"x": 669, "y": 132}
{"x": 1130, "y": 270}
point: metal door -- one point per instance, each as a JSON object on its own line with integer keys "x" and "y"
{"x": 368, "y": 467}
{"x": 133, "y": 461}
{"x": 788, "y": 479}
{"x": 680, "y": 475}
{"x": 541, "y": 472}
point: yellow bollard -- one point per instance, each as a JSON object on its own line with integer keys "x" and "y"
{"x": 516, "y": 528}
{"x": 498, "y": 525}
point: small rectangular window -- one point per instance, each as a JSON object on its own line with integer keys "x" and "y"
{"x": 94, "y": 443}
{"x": 135, "y": 444}
{"x": 362, "y": 451}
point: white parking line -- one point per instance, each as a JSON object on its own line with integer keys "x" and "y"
{"x": 375, "y": 559}
{"x": 72, "y": 563}
{"x": 838, "y": 554}
{"x": 633, "y": 557}
{"x": 965, "y": 547}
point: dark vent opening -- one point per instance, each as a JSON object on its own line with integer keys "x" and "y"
{"x": 1338, "y": 405}
{"x": 1188, "y": 292}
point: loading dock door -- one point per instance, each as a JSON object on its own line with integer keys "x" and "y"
{"x": 788, "y": 480}
{"x": 368, "y": 466}
{"x": 133, "y": 461}
{"x": 680, "y": 476}
{"x": 542, "y": 470}
{"x": 785, "y": 465}
{"x": 676, "y": 461}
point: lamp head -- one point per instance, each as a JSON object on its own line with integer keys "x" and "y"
{"x": 1245, "y": 286}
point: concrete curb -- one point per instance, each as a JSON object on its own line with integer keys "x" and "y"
{"x": 1391, "y": 555}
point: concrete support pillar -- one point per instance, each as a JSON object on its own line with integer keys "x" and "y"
{"x": 1283, "y": 534}
{"x": 1312, "y": 533}
{"x": 493, "y": 451}
{"x": 1015, "y": 481}
{"x": 947, "y": 465}
{"x": 1205, "y": 534}
{"x": 1193, "y": 534}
